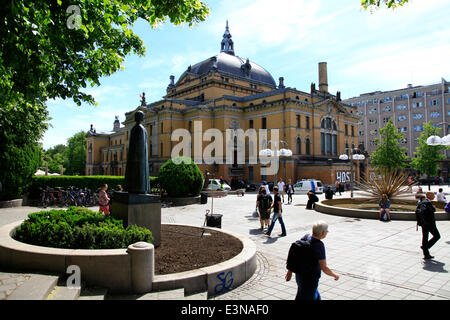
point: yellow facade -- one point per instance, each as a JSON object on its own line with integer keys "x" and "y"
{"x": 226, "y": 92}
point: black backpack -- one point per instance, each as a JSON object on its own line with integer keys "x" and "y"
{"x": 420, "y": 210}
{"x": 300, "y": 257}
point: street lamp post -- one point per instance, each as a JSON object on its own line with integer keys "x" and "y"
{"x": 283, "y": 152}
{"x": 353, "y": 156}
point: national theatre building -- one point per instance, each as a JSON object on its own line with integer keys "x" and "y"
{"x": 229, "y": 92}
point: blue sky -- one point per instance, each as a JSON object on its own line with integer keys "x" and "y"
{"x": 364, "y": 51}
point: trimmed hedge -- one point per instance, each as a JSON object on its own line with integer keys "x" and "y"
{"x": 90, "y": 182}
{"x": 78, "y": 228}
{"x": 181, "y": 177}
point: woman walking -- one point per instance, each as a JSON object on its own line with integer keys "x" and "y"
{"x": 103, "y": 200}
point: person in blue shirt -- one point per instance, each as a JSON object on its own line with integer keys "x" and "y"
{"x": 385, "y": 205}
{"x": 308, "y": 283}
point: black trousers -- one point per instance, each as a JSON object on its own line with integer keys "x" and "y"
{"x": 426, "y": 230}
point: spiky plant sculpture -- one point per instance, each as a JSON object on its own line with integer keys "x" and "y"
{"x": 392, "y": 183}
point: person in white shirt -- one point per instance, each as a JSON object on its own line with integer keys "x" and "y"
{"x": 440, "y": 197}
{"x": 281, "y": 187}
{"x": 266, "y": 186}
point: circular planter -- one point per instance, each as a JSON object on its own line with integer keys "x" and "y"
{"x": 113, "y": 268}
{"x": 330, "y": 207}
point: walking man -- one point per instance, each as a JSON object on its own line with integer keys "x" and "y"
{"x": 281, "y": 187}
{"x": 428, "y": 224}
{"x": 277, "y": 210}
{"x": 308, "y": 281}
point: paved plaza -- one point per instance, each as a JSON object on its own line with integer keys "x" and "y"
{"x": 375, "y": 260}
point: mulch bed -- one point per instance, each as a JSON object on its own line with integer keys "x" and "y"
{"x": 182, "y": 249}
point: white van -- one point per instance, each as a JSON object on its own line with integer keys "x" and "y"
{"x": 214, "y": 184}
{"x": 303, "y": 186}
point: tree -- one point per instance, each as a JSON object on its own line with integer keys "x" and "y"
{"x": 54, "y": 158}
{"x": 426, "y": 157}
{"x": 54, "y": 49}
{"x": 375, "y": 4}
{"x": 75, "y": 154}
{"x": 389, "y": 155}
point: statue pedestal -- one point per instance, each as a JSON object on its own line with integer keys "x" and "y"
{"x": 143, "y": 210}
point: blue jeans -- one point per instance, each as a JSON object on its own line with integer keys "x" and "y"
{"x": 307, "y": 287}
{"x": 276, "y": 217}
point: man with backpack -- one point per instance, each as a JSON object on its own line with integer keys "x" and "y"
{"x": 426, "y": 219}
{"x": 307, "y": 259}
{"x": 263, "y": 203}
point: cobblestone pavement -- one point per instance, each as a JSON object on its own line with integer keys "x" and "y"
{"x": 375, "y": 260}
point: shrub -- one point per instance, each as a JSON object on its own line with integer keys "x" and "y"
{"x": 79, "y": 228}
{"x": 182, "y": 179}
{"x": 18, "y": 163}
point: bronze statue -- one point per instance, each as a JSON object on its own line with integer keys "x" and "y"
{"x": 137, "y": 173}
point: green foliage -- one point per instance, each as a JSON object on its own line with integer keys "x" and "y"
{"x": 90, "y": 182}
{"x": 44, "y": 55}
{"x": 75, "y": 154}
{"x": 54, "y": 158}
{"x": 20, "y": 164}
{"x": 78, "y": 228}
{"x": 426, "y": 157}
{"x": 181, "y": 180}
{"x": 375, "y": 4}
{"x": 389, "y": 156}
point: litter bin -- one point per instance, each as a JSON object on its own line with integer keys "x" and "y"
{"x": 203, "y": 198}
{"x": 214, "y": 220}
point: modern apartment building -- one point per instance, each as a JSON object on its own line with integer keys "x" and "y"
{"x": 409, "y": 107}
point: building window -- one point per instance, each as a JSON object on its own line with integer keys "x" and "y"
{"x": 387, "y": 109}
{"x": 401, "y": 107}
{"x": 404, "y": 129}
{"x": 402, "y": 118}
{"x": 299, "y": 145}
{"x": 307, "y": 146}
{"x": 322, "y": 143}
{"x": 417, "y": 116}
{"x": 372, "y": 111}
{"x": 435, "y": 114}
{"x": 373, "y": 132}
{"x": 359, "y": 113}
{"x": 250, "y": 123}
{"x": 346, "y": 130}
{"x": 162, "y": 150}
{"x": 373, "y": 121}
{"x": 417, "y": 105}
{"x": 264, "y": 123}
{"x": 298, "y": 120}
{"x": 361, "y": 133}
{"x": 307, "y": 122}
{"x": 418, "y": 128}
{"x": 386, "y": 99}
{"x": 353, "y": 131}
{"x": 385, "y": 120}
{"x": 434, "y": 102}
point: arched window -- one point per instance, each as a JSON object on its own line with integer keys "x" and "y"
{"x": 299, "y": 145}
{"x": 334, "y": 126}
{"x": 322, "y": 124}
{"x": 308, "y": 146}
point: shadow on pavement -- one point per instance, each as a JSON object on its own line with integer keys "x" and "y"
{"x": 434, "y": 266}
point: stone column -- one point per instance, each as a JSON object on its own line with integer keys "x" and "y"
{"x": 142, "y": 255}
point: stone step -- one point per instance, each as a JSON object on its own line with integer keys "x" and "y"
{"x": 175, "y": 294}
{"x": 37, "y": 287}
{"x": 64, "y": 293}
{"x": 93, "y": 294}
{"x": 197, "y": 296}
